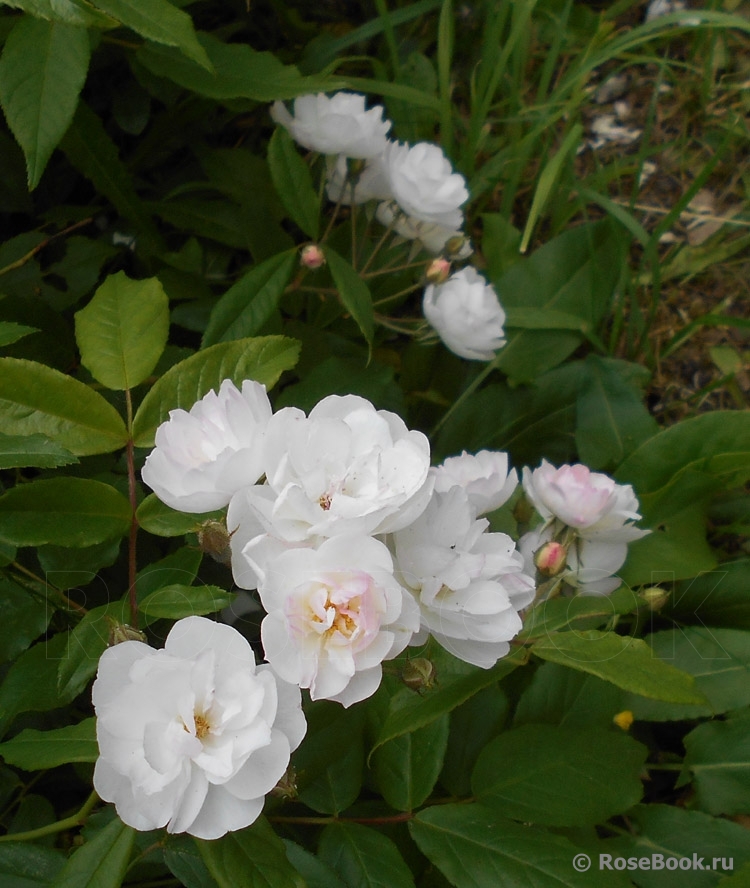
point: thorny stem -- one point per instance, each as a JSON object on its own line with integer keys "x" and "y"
{"x": 77, "y": 819}
{"x": 132, "y": 539}
{"x": 39, "y": 247}
{"x": 376, "y": 249}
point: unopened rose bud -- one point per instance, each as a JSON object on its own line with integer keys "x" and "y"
{"x": 286, "y": 788}
{"x": 551, "y": 559}
{"x": 312, "y": 256}
{"x": 438, "y": 271}
{"x": 655, "y": 597}
{"x": 213, "y": 539}
{"x": 419, "y": 674}
{"x": 624, "y": 719}
{"x": 119, "y": 632}
{"x": 458, "y": 246}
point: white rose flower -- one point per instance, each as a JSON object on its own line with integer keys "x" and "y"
{"x": 334, "y": 614}
{"x": 434, "y": 238}
{"x": 335, "y": 125}
{"x": 469, "y": 584}
{"x": 370, "y": 184}
{"x": 192, "y": 737}
{"x": 204, "y": 456}
{"x": 424, "y": 185}
{"x": 484, "y": 476}
{"x": 590, "y": 502}
{"x": 466, "y": 314}
{"x": 347, "y": 468}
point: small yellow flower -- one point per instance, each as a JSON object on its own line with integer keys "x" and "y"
{"x": 624, "y": 719}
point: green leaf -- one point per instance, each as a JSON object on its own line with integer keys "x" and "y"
{"x": 611, "y": 417}
{"x": 35, "y": 399}
{"x": 719, "y": 660}
{"x": 363, "y": 858}
{"x": 626, "y": 662}
{"x": 11, "y": 332}
{"x": 73, "y": 512}
{"x": 560, "y": 776}
{"x": 575, "y": 273}
{"x": 250, "y": 302}
{"x": 408, "y": 713}
{"x": 251, "y": 858}
{"x": 38, "y": 750}
{"x": 717, "y": 598}
{"x": 675, "y": 832}
{"x": 718, "y": 755}
{"x": 42, "y": 71}
{"x": 92, "y": 152}
{"x": 293, "y": 182}
{"x": 182, "y": 857}
{"x": 157, "y": 518}
{"x": 159, "y": 21}
{"x": 330, "y": 763}
{"x": 122, "y": 332}
{"x": 67, "y": 568}
{"x": 475, "y": 848}
{"x": 407, "y": 767}
{"x": 218, "y": 220}
{"x": 239, "y": 72}
{"x": 180, "y": 567}
{"x": 176, "y": 601}
{"x": 579, "y": 612}
{"x": 315, "y": 873}
{"x": 23, "y": 618}
{"x": 71, "y": 12}
{"x": 25, "y": 865}
{"x": 31, "y": 682}
{"x": 525, "y": 318}
{"x": 102, "y": 861}
{"x": 32, "y": 450}
{"x": 262, "y": 358}
{"x": 353, "y": 292}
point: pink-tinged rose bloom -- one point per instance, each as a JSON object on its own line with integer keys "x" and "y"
{"x": 345, "y": 468}
{"x": 466, "y": 315}
{"x": 423, "y": 183}
{"x": 484, "y": 476}
{"x": 336, "y": 125}
{"x": 205, "y": 455}
{"x": 193, "y": 736}
{"x": 590, "y": 502}
{"x": 334, "y": 614}
{"x": 470, "y": 585}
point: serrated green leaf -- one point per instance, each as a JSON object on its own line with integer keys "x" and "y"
{"x": 71, "y": 12}
{"x": 157, "y": 518}
{"x": 293, "y": 182}
{"x": 250, "y": 858}
{"x": 560, "y": 776}
{"x": 354, "y": 293}
{"x": 627, "y": 662}
{"x": 239, "y": 72}
{"x": 364, "y": 858}
{"x": 410, "y": 713}
{"x": 581, "y": 611}
{"x": 23, "y": 617}
{"x": 122, "y": 332}
{"x": 27, "y": 865}
{"x": 102, "y": 861}
{"x": 159, "y": 21}
{"x": 35, "y": 399}
{"x": 92, "y": 152}
{"x": 717, "y": 598}
{"x": 184, "y": 861}
{"x": 38, "y": 750}
{"x": 475, "y": 848}
{"x": 407, "y": 767}
{"x": 262, "y": 358}
{"x": 248, "y": 303}
{"x": 180, "y": 567}
{"x": 73, "y": 512}
{"x": 42, "y": 70}
{"x": 315, "y": 873}
{"x": 32, "y": 450}
{"x": 11, "y": 332}
{"x": 718, "y": 756}
{"x": 176, "y": 601}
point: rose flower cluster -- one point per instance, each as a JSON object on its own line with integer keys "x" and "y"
{"x": 357, "y": 548}
{"x": 418, "y": 195}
